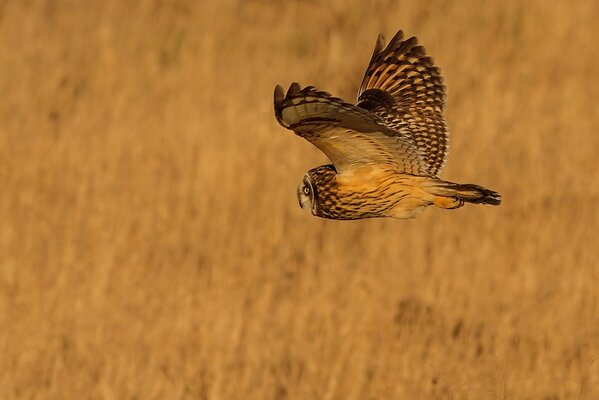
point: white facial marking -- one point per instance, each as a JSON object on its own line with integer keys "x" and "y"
{"x": 305, "y": 194}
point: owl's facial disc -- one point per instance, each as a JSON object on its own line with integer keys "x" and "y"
{"x": 305, "y": 194}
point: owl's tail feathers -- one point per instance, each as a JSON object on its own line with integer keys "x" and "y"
{"x": 454, "y": 195}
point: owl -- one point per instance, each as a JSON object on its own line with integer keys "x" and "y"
{"x": 387, "y": 151}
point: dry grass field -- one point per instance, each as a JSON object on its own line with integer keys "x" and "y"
{"x": 151, "y": 245}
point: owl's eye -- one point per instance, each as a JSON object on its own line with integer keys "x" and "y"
{"x": 306, "y": 190}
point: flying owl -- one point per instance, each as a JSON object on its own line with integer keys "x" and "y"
{"x": 388, "y": 150}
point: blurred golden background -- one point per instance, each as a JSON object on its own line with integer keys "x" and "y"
{"x": 151, "y": 245}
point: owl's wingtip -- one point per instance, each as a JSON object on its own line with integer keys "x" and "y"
{"x": 294, "y": 88}
{"x": 279, "y": 94}
{"x": 380, "y": 44}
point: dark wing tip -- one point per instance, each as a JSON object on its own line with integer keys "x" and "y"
{"x": 420, "y": 52}
{"x": 397, "y": 38}
{"x": 279, "y": 100}
{"x": 279, "y": 94}
{"x": 379, "y": 45}
{"x": 294, "y": 88}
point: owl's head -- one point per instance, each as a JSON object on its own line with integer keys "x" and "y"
{"x": 317, "y": 191}
{"x": 305, "y": 195}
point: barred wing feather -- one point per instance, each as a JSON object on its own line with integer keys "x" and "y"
{"x": 402, "y": 86}
{"x": 350, "y": 136}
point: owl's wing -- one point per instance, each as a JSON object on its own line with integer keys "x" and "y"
{"x": 402, "y": 85}
{"x": 351, "y": 137}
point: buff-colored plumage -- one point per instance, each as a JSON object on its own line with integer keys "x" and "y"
{"x": 387, "y": 150}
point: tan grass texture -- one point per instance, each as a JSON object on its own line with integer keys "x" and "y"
{"x": 151, "y": 245}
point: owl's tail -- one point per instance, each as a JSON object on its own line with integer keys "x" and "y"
{"x": 454, "y": 195}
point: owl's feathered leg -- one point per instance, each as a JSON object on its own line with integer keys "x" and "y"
{"x": 453, "y": 195}
{"x": 448, "y": 203}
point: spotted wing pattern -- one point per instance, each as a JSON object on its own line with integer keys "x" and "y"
{"x": 350, "y": 136}
{"x": 402, "y": 85}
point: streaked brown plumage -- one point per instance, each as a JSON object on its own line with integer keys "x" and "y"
{"x": 388, "y": 149}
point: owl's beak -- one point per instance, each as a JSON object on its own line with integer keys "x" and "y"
{"x": 299, "y": 198}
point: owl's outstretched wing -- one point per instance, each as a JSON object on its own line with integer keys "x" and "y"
{"x": 402, "y": 85}
{"x": 351, "y": 137}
